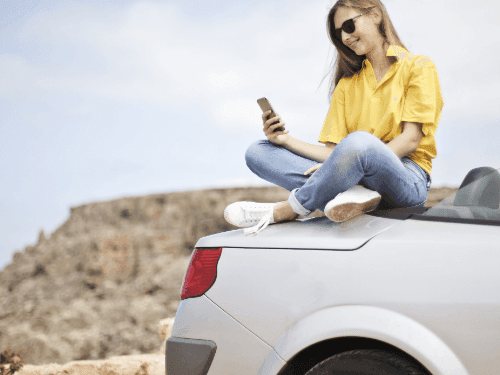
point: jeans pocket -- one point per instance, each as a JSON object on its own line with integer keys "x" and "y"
{"x": 420, "y": 181}
{"x": 415, "y": 168}
{"x": 421, "y": 187}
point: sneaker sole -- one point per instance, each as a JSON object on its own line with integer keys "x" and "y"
{"x": 345, "y": 211}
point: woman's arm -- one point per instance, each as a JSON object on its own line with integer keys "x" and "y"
{"x": 307, "y": 150}
{"x": 408, "y": 140}
{"x": 281, "y": 137}
{"x": 402, "y": 145}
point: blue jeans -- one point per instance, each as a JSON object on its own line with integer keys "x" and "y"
{"x": 359, "y": 159}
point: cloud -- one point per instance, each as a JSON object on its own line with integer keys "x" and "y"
{"x": 149, "y": 51}
{"x": 228, "y": 79}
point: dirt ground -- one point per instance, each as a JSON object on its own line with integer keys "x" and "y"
{"x": 142, "y": 364}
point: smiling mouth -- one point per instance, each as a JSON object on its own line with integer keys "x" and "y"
{"x": 353, "y": 44}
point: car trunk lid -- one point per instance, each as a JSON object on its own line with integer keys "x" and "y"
{"x": 314, "y": 233}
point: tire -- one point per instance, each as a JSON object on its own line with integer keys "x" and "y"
{"x": 365, "y": 362}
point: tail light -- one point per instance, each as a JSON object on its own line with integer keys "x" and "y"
{"x": 201, "y": 272}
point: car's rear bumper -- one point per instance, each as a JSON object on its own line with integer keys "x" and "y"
{"x": 199, "y": 322}
{"x": 189, "y": 356}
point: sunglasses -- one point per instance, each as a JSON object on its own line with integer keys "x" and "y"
{"x": 347, "y": 26}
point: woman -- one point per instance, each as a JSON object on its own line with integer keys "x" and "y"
{"x": 378, "y": 134}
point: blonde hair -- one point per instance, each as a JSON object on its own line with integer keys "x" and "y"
{"x": 347, "y": 63}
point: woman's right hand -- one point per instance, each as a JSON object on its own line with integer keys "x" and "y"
{"x": 313, "y": 169}
{"x": 278, "y": 137}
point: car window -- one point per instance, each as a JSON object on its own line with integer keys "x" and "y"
{"x": 477, "y": 198}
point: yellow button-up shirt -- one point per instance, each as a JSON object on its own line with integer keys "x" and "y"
{"x": 409, "y": 91}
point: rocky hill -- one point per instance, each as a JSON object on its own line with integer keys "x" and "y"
{"x": 99, "y": 285}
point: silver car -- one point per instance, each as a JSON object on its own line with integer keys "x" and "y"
{"x": 401, "y": 291}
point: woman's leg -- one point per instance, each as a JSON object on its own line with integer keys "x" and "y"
{"x": 360, "y": 158}
{"x": 277, "y": 165}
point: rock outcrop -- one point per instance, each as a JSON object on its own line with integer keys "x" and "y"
{"x": 98, "y": 285}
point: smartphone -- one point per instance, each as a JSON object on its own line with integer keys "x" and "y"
{"x": 266, "y": 106}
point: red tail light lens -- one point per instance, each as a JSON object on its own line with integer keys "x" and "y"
{"x": 201, "y": 272}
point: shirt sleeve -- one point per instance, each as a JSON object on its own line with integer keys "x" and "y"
{"x": 334, "y": 127}
{"x": 423, "y": 101}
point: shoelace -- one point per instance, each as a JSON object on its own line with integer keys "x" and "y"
{"x": 263, "y": 223}
{"x": 254, "y": 212}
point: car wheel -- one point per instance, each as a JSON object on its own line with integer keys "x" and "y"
{"x": 365, "y": 362}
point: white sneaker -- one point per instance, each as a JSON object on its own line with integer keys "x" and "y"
{"x": 352, "y": 202}
{"x": 250, "y": 214}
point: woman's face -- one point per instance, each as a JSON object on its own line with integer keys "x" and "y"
{"x": 365, "y": 37}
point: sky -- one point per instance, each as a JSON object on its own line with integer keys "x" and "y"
{"x": 101, "y": 100}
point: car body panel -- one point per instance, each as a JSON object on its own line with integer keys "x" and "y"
{"x": 417, "y": 268}
{"x": 272, "y": 364}
{"x": 314, "y": 233}
{"x": 372, "y": 322}
{"x": 239, "y": 351}
{"x": 463, "y": 260}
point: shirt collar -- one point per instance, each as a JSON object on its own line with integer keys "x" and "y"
{"x": 395, "y": 50}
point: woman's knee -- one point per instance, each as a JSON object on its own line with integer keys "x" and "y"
{"x": 256, "y": 151}
{"x": 361, "y": 142}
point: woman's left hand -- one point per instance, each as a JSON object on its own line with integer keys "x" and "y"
{"x": 313, "y": 169}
